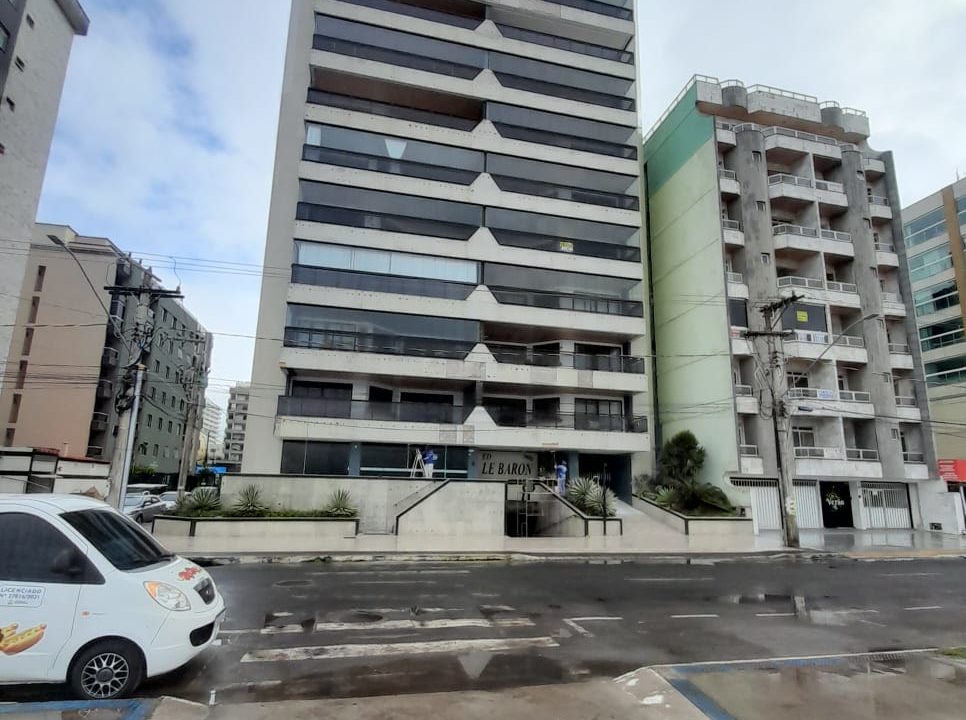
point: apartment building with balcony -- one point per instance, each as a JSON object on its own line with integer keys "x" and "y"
{"x": 934, "y": 230}
{"x": 757, "y": 194}
{"x": 35, "y": 43}
{"x": 236, "y": 424}
{"x": 457, "y": 195}
{"x": 70, "y": 358}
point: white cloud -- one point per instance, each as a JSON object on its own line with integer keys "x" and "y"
{"x": 166, "y": 144}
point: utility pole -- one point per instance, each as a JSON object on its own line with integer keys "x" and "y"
{"x": 784, "y": 451}
{"x": 128, "y": 399}
{"x": 191, "y": 382}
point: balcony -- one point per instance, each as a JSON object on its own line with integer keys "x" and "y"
{"x": 745, "y": 400}
{"x": 798, "y": 237}
{"x": 879, "y": 207}
{"x": 99, "y": 422}
{"x": 369, "y": 410}
{"x": 836, "y": 461}
{"x": 568, "y": 301}
{"x": 518, "y": 355}
{"x": 873, "y": 167}
{"x": 792, "y": 190}
{"x": 372, "y": 343}
{"x": 751, "y": 462}
{"x": 886, "y": 255}
{"x": 907, "y": 408}
{"x": 105, "y": 389}
{"x": 913, "y": 457}
{"x": 725, "y": 133}
{"x": 900, "y": 356}
{"x": 800, "y": 142}
{"x": 740, "y": 346}
{"x": 736, "y": 285}
{"x": 728, "y": 181}
{"x": 505, "y": 416}
{"x": 95, "y": 451}
{"x": 892, "y": 305}
{"x": 809, "y": 344}
{"x": 732, "y": 232}
{"x": 109, "y": 358}
{"x": 827, "y": 292}
{"x": 832, "y": 402}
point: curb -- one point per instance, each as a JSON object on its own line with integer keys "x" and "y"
{"x": 217, "y": 559}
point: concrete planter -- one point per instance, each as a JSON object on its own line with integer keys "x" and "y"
{"x": 697, "y": 526}
{"x": 253, "y": 528}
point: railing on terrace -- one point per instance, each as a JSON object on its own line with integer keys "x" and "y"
{"x": 865, "y": 454}
{"x": 744, "y": 390}
{"x": 878, "y": 200}
{"x": 727, "y": 174}
{"x": 843, "y": 287}
{"x": 798, "y": 134}
{"x": 899, "y": 349}
{"x": 370, "y": 410}
{"x": 885, "y": 247}
{"x": 794, "y": 281}
{"x": 517, "y": 355}
{"x": 813, "y": 452}
{"x": 859, "y": 396}
{"x": 788, "y": 229}
{"x": 748, "y": 450}
{"x": 515, "y": 417}
{"x": 829, "y": 186}
{"x": 734, "y": 277}
{"x": 913, "y": 457}
{"x": 906, "y": 401}
{"x": 728, "y": 224}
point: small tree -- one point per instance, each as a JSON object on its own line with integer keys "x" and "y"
{"x": 680, "y": 463}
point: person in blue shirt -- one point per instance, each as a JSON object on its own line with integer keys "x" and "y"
{"x": 562, "y": 478}
{"x": 429, "y": 461}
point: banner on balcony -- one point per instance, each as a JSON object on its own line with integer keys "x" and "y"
{"x": 507, "y": 465}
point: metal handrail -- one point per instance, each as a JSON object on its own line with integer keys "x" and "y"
{"x": 744, "y": 390}
{"x": 734, "y": 277}
{"x": 878, "y": 200}
{"x": 748, "y": 450}
{"x": 810, "y": 452}
{"x": 796, "y": 281}
{"x": 890, "y": 297}
{"x": 850, "y": 341}
{"x": 835, "y": 286}
{"x": 906, "y": 401}
{"x": 899, "y": 349}
{"x": 783, "y": 93}
{"x": 729, "y": 224}
{"x": 789, "y": 179}
{"x": 913, "y": 457}
{"x": 800, "y": 135}
{"x": 727, "y": 174}
{"x": 836, "y": 235}
{"x": 859, "y": 396}
{"x": 866, "y": 454}
{"x": 829, "y": 186}
{"x": 885, "y": 247}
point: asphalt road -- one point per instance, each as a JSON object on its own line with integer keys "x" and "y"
{"x": 359, "y": 629}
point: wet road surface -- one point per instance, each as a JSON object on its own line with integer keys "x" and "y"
{"x": 343, "y": 630}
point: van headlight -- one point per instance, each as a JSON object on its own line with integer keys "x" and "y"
{"x": 168, "y": 597}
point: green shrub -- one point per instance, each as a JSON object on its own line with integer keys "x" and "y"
{"x": 578, "y": 491}
{"x": 340, "y": 505}
{"x": 204, "y": 501}
{"x": 249, "y": 503}
{"x": 665, "y": 496}
{"x": 600, "y": 502}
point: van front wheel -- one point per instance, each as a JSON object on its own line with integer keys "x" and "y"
{"x": 106, "y": 670}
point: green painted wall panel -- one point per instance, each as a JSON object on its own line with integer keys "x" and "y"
{"x": 680, "y": 135}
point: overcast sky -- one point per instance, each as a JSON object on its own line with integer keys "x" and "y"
{"x": 166, "y": 137}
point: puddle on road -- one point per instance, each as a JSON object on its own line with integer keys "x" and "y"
{"x": 292, "y": 583}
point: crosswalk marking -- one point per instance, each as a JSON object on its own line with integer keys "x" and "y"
{"x": 326, "y": 652}
{"x": 408, "y": 624}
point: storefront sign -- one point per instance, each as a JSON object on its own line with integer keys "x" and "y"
{"x": 953, "y": 469}
{"x": 506, "y": 465}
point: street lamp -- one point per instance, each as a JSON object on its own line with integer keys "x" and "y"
{"x": 870, "y": 316}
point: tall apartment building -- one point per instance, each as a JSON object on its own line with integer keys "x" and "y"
{"x": 212, "y": 440}
{"x": 35, "y": 42}
{"x": 236, "y": 426}
{"x": 69, "y": 360}
{"x": 457, "y": 195}
{"x": 934, "y": 231}
{"x": 757, "y": 194}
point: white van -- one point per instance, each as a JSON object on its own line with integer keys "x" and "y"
{"x": 90, "y": 598}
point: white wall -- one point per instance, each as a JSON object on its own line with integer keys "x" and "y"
{"x": 459, "y": 508}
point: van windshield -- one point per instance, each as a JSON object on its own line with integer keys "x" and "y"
{"x": 125, "y": 545}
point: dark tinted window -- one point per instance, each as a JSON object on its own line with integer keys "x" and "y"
{"x": 33, "y": 550}
{"x": 365, "y": 321}
{"x": 516, "y": 276}
{"x": 562, "y": 130}
{"x": 738, "y": 312}
{"x": 802, "y": 316}
{"x": 397, "y": 48}
{"x": 123, "y": 543}
{"x": 621, "y": 9}
{"x": 561, "y": 81}
{"x": 461, "y": 13}
{"x": 397, "y": 460}
{"x": 563, "y": 182}
{"x": 300, "y": 457}
{"x": 499, "y": 220}
{"x": 562, "y": 43}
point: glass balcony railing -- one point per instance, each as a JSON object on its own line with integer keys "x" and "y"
{"x": 515, "y": 417}
{"x": 864, "y": 454}
{"x": 519, "y": 355}
{"x": 314, "y": 339}
{"x": 371, "y": 410}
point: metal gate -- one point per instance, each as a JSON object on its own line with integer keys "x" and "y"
{"x": 808, "y": 504}
{"x": 886, "y": 505}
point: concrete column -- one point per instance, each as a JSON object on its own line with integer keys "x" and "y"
{"x": 879, "y": 369}
{"x": 573, "y": 465}
{"x": 355, "y": 460}
{"x": 759, "y": 267}
{"x": 472, "y": 468}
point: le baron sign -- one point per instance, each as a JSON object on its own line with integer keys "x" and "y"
{"x": 507, "y": 465}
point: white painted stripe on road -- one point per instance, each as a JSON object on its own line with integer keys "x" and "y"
{"x": 711, "y": 663}
{"x": 925, "y": 607}
{"x": 596, "y": 619}
{"x": 387, "y": 611}
{"x": 328, "y": 652}
{"x": 577, "y": 628}
{"x": 910, "y": 574}
{"x": 424, "y": 624}
{"x": 852, "y": 611}
{"x": 784, "y": 614}
{"x": 393, "y": 582}
{"x": 707, "y": 578}
{"x": 698, "y": 615}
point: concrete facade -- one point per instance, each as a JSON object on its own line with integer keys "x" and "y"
{"x": 754, "y": 194}
{"x": 458, "y": 200}
{"x": 72, "y": 362}
{"x": 236, "y": 424}
{"x": 37, "y": 37}
{"x": 934, "y": 231}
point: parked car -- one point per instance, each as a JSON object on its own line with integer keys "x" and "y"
{"x": 143, "y": 508}
{"x": 170, "y": 499}
{"x": 90, "y": 598}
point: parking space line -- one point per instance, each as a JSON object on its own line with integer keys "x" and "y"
{"x": 424, "y": 624}
{"x": 924, "y": 607}
{"x": 327, "y": 652}
{"x": 333, "y": 573}
{"x": 707, "y": 578}
{"x": 775, "y": 614}
{"x": 580, "y": 630}
{"x": 696, "y": 615}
